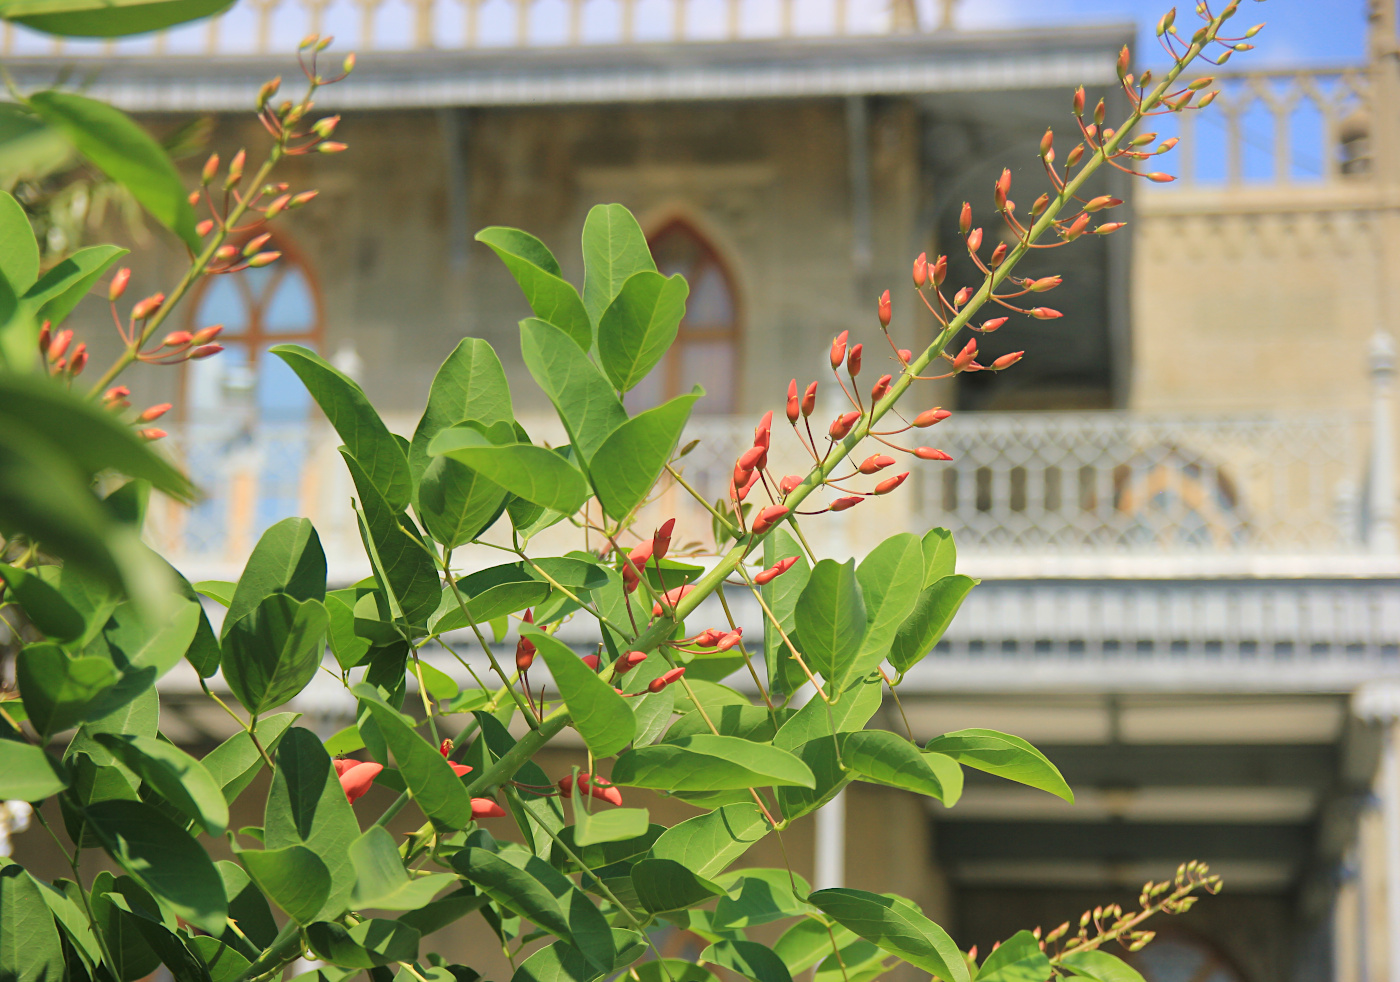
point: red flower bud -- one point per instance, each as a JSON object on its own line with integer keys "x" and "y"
{"x": 974, "y": 240}
{"x": 767, "y": 576}
{"x": 1044, "y": 283}
{"x": 793, "y": 409}
{"x": 79, "y": 361}
{"x": 211, "y": 168}
{"x": 177, "y": 339}
{"x": 661, "y": 541}
{"x": 1047, "y": 142}
{"x": 750, "y": 459}
{"x": 115, "y": 393}
{"x": 147, "y": 307}
{"x": 742, "y": 475}
{"x": 965, "y": 356}
{"x": 641, "y": 552}
{"x": 767, "y": 517}
{"x": 875, "y": 463}
{"x": 330, "y": 147}
{"x": 1079, "y": 101}
{"x": 1076, "y": 227}
{"x": 152, "y": 434}
{"x": 741, "y": 491}
{"x": 1045, "y": 313}
{"x": 204, "y": 351}
{"x": 356, "y": 780}
{"x": 930, "y": 416}
{"x": 882, "y": 385}
{"x": 708, "y": 638}
{"x": 461, "y": 770}
{"x": 204, "y": 228}
{"x": 905, "y": 355}
{"x": 1109, "y": 227}
{"x": 225, "y": 252}
{"x": 940, "y": 270}
{"x": 788, "y": 484}
{"x": 928, "y": 453}
{"x": 445, "y": 747}
{"x": 656, "y": 685}
{"x": 1101, "y": 202}
{"x": 1006, "y": 361}
{"x": 883, "y": 309}
{"x": 1003, "y": 186}
{"x": 671, "y": 597}
{"x": 838, "y": 350}
{"x": 730, "y": 640}
{"x": 842, "y": 425}
{"x": 889, "y": 484}
{"x": 486, "y": 808}
{"x": 921, "y": 269}
{"x": 1038, "y": 205}
{"x": 154, "y": 413}
{"x": 763, "y": 432}
{"x": 45, "y": 336}
{"x": 255, "y": 244}
{"x": 264, "y": 259}
{"x": 625, "y": 663}
{"x": 60, "y": 343}
{"x": 853, "y": 359}
{"x": 1160, "y": 178}
{"x": 809, "y": 400}
{"x": 118, "y": 286}
{"x": 1123, "y": 62}
{"x": 998, "y": 254}
{"x": 989, "y": 326}
{"x": 841, "y": 504}
{"x": 591, "y": 661}
{"x": 343, "y": 764}
{"x": 965, "y": 218}
{"x": 235, "y": 170}
{"x": 524, "y": 654}
{"x": 962, "y": 296}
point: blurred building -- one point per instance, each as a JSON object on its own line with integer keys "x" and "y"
{"x": 1182, "y": 502}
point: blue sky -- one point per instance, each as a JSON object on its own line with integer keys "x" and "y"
{"x": 1313, "y": 32}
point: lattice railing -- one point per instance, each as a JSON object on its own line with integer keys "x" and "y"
{"x": 275, "y": 26}
{"x": 1274, "y": 127}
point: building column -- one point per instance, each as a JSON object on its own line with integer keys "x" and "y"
{"x": 1380, "y": 525}
{"x": 1379, "y": 703}
{"x": 829, "y": 869}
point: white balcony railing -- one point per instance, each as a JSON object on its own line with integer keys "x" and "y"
{"x": 274, "y": 26}
{"x": 1082, "y": 485}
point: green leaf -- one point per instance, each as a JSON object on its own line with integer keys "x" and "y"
{"x": 439, "y": 685}
{"x": 173, "y": 774}
{"x": 30, "y": 949}
{"x": 882, "y": 757}
{"x": 306, "y": 806}
{"x": 639, "y": 326}
{"x": 601, "y": 716}
{"x": 707, "y": 843}
{"x": 781, "y": 597}
{"x": 225, "y": 963}
{"x": 815, "y": 720}
{"x": 27, "y": 773}
{"x": 582, "y": 395}
{"x": 221, "y": 591}
{"x": 599, "y": 854}
{"x": 890, "y": 577}
{"x": 898, "y": 926}
{"x": 934, "y": 610}
{"x": 553, "y": 299}
{"x": 538, "y": 892}
{"x": 808, "y": 942}
{"x": 59, "y": 691}
{"x": 348, "y": 647}
{"x": 558, "y": 962}
{"x": 438, "y": 791}
{"x": 107, "y": 18}
{"x": 19, "y": 252}
{"x": 534, "y": 473}
{"x": 456, "y": 503}
{"x": 367, "y": 440}
{"x": 614, "y": 248}
{"x": 124, "y": 152}
{"x": 287, "y": 559}
{"x": 64, "y": 286}
{"x": 91, "y": 438}
{"x": 665, "y": 885}
{"x": 672, "y": 970}
{"x": 488, "y": 594}
{"x": 401, "y": 562}
{"x": 749, "y": 959}
{"x": 367, "y": 944}
{"x": 830, "y": 617}
{"x": 248, "y": 908}
{"x": 760, "y": 896}
{"x": 626, "y": 465}
{"x": 1005, "y": 756}
{"x": 234, "y": 763}
{"x": 382, "y": 883}
{"x": 1099, "y": 966}
{"x": 705, "y": 762}
{"x": 940, "y": 555}
{"x": 144, "y": 652}
{"x": 609, "y": 825}
{"x": 437, "y": 915}
{"x": 1017, "y": 959}
{"x": 163, "y": 858}
{"x": 293, "y": 877}
{"x": 270, "y": 654}
{"x": 470, "y": 385}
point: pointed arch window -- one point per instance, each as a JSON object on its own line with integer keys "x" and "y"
{"x": 246, "y": 413}
{"x": 707, "y": 349}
